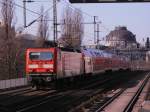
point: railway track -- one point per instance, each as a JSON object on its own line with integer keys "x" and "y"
{"x": 11, "y": 98}
{"x": 58, "y": 101}
{"x": 63, "y": 96}
{"x": 127, "y": 107}
{"x": 20, "y": 96}
{"x": 107, "y": 102}
{"x": 64, "y": 102}
{"x": 11, "y": 91}
{"x": 134, "y": 99}
{"x": 98, "y": 103}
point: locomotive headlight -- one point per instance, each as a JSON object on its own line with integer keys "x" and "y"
{"x": 48, "y": 79}
{"x": 48, "y": 66}
{"x": 33, "y": 66}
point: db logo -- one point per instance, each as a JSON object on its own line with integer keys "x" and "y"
{"x": 40, "y": 66}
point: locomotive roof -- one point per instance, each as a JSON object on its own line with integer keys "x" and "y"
{"x": 96, "y": 52}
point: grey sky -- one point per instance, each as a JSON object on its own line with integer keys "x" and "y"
{"x": 133, "y": 15}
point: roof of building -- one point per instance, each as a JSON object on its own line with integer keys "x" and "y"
{"x": 121, "y": 34}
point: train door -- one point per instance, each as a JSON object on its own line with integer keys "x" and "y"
{"x": 88, "y": 65}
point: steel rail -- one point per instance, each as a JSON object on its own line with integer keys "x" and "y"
{"x": 109, "y": 101}
{"x": 134, "y": 99}
{"x": 99, "y": 106}
{"x": 99, "y": 91}
{"x": 56, "y": 97}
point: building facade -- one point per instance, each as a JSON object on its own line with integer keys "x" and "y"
{"x": 120, "y": 37}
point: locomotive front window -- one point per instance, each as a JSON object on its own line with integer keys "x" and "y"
{"x": 41, "y": 55}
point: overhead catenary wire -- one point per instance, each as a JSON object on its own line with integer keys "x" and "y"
{"x": 47, "y": 9}
{"x": 17, "y": 5}
{"x": 21, "y": 7}
{"x": 77, "y": 9}
{"x": 107, "y": 29}
{"x": 35, "y": 20}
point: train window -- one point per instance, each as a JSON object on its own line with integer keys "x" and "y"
{"x": 91, "y": 53}
{"x": 98, "y": 54}
{"x": 41, "y": 55}
{"x": 95, "y": 53}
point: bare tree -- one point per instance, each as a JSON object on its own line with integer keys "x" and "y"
{"x": 9, "y": 46}
{"x": 72, "y": 29}
{"x": 7, "y": 12}
{"x": 43, "y": 26}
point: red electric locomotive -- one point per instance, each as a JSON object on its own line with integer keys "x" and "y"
{"x": 47, "y": 64}
{"x": 41, "y": 64}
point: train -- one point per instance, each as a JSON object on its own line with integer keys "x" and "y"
{"x": 44, "y": 65}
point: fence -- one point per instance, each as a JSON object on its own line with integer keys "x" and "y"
{"x": 13, "y": 83}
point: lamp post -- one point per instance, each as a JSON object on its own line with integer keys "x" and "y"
{"x": 55, "y": 20}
